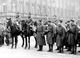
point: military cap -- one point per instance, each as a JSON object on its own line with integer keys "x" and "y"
{"x": 67, "y": 22}
{"x": 8, "y": 18}
{"x": 29, "y": 17}
{"x": 60, "y": 20}
{"x": 49, "y": 21}
{"x": 40, "y": 20}
{"x": 17, "y": 16}
{"x": 72, "y": 20}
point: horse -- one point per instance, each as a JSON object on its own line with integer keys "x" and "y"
{"x": 15, "y": 32}
{"x": 27, "y": 32}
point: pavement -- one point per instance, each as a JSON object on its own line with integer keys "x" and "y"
{"x": 7, "y": 52}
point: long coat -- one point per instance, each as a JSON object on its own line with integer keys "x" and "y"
{"x": 50, "y": 34}
{"x": 40, "y": 35}
{"x": 60, "y": 31}
{"x": 72, "y": 38}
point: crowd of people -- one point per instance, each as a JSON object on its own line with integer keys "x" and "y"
{"x": 64, "y": 35}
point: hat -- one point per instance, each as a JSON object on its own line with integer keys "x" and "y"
{"x": 72, "y": 20}
{"x": 8, "y": 18}
{"x": 61, "y": 20}
{"x": 67, "y": 22}
{"x": 17, "y": 16}
{"x": 49, "y": 21}
{"x": 40, "y": 20}
{"x": 29, "y": 17}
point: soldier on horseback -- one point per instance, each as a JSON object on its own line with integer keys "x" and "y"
{"x": 8, "y": 30}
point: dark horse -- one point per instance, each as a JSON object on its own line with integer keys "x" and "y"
{"x": 27, "y": 32}
{"x": 15, "y": 31}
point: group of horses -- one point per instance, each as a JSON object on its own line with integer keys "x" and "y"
{"x": 24, "y": 29}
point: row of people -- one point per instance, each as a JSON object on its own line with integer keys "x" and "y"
{"x": 67, "y": 35}
{"x": 62, "y": 35}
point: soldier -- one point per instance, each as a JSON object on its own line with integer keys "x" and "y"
{"x": 9, "y": 23}
{"x": 49, "y": 36}
{"x": 40, "y": 36}
{"x": 60, "y": 31}
{"x": 72, "y": 37}
{"x": 66, "y": 35}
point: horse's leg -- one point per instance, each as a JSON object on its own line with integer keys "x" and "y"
{"x": 12, "y": 42}
{"x": 16, "y": 41}
{"x": 29, "y": 42}
{"x": 7, "y": 40}
{"x": 26, "y": 42}
{"x": 22, "y": 40}
{"x": 35, "y": 42}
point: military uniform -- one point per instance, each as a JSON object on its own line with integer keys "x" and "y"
{"x": 40, "y": 37}
{"x": 49, "y": 36}
{"x": 66, "y": 36}
{"x": 60, "y": 31}
{"x": 9, "y": 24}
{"x": 72, "y": 38}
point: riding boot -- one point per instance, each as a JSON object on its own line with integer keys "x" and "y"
{"x": 41, "y": 47}
{"x": 51, "y": 47}
{"x": 72, "y": 50}
{"x": 59, "y": 50}
{"x": 75, "y": 48}
{"x": 69, "y": 48}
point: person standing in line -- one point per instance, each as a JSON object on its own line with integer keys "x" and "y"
{"x": 60, "y": 31}
{"x": 40, "y": 36}
{"x": 72, "y": 38}
{"x": 49, "y": 36}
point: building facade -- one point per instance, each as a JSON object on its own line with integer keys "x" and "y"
{"x": 43, "y": 8}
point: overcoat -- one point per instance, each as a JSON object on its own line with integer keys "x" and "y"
{"x": 60, "y": 31}
{"x": 50, "y": 34}
{"x": 40, "y": 35}
{"x": 72, "y": 37}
